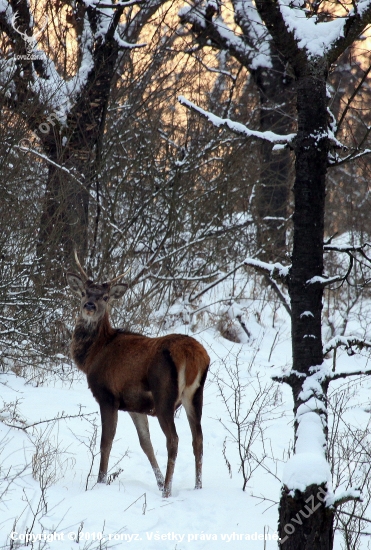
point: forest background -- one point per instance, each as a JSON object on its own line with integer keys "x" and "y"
{"x": 169, "y": 137}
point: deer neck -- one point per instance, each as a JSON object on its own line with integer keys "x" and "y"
{"x": 88, "y": 339}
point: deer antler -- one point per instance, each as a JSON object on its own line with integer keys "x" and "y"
{"x": 118, "y": 277}
{"x": 83, "y": 273}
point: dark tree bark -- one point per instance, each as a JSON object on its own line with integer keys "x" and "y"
{"x": 308, "y": 531}
{"x": 272, "y": 194}
{"x": 311, "y": 151}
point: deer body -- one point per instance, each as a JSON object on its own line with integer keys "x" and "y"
{"x": 140, "y": 375}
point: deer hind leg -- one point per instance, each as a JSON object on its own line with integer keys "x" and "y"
{"x": 163, "y": 378}
{"x": 192, "y": 400}
{"x": 141, "y": 423}
{"x": 109, "y": 422}
{"x": 166, "y": 420}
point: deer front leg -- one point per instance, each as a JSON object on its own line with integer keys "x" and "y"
{"x": 109, "y": 423}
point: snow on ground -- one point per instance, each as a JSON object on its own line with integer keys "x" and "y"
{"x": 130, "y": 512}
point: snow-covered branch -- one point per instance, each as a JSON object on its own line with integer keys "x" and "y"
{"x": 309, "y": 465}
{"x": 346, "y": 374}
{"x": 348, "y": 342}
{"x": 335, "y": 160}
{"x": 347, "y": 248}
{"x": 119, "y": 4}
{"x": 275, "y": 271}
{"x": 237, "y": 127}
{"x": 341, "y": 497}
{"x": 251, "y": 48}
{"x": 326, "y": 281}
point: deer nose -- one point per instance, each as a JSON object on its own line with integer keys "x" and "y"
{"x": 90, "y": 306}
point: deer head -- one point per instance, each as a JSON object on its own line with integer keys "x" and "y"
{"x": 95, "y": 298}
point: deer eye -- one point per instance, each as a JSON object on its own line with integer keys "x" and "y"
{"x": 105, "y": 298}
{"x": 83, "y": 294}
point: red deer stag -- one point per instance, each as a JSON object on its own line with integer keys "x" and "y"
{"x": 141, "y": 375}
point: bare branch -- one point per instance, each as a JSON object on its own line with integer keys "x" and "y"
{"x": 347, "y": 248}
{"x": 272, "y": 283}
{"x": 350, "y": 100}
{"x": 215, "y": 283}
{"x": 354, "y": 516}
{"x": 63, "y": 416}
{"x": 354, "y": 25}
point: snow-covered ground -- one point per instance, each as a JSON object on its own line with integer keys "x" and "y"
{"x": 130, "y": 512}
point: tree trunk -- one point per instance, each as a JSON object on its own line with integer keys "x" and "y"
{"x": 272, "y": 195}
{"x": 64, "y": 218}
{"x": 305, "y": 522}
{"x": 311, "y": 149}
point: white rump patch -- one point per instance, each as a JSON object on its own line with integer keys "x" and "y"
{"x": 188, "y": 393}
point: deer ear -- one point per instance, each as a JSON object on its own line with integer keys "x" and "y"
{"x": 76, "y": 284}
{"x": 117, "y": 291}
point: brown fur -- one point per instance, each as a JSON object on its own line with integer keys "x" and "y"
{"x": 138, "y": 374}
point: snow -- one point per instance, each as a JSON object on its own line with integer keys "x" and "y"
{"x": 220, "y": 510}
{"x": 309, "y": 465}
{"x": 304, "y": 469}
{"x": 306, "y": 314}
{"x": 312, "y": 35}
